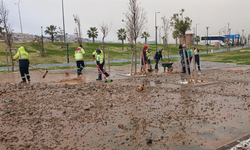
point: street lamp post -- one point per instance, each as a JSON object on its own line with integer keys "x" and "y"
{"x": 229, "y": 38}
{"x": 42, "y": 39}
{"x": 20, "y": 19}
{"x": 156, "y": 31}
{"x": 63, "y": 22}
{"x": 207, "y": 39}
{"x": 67, "y": 41}
{"x": 242, "y": 38}
{"x": 196, "y": 29}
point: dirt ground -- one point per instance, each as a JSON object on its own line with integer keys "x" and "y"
{"x": 69, "y": 113}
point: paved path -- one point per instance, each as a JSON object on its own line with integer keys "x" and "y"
{"x": 113, "y": 61}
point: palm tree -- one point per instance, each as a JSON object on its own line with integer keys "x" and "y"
{"x": 121, "y": 34}
{"x": 176, "y": 35}
{"x": 92, "y": 33}
{"x": 51, "y": 30}
{"x": 145, "y": 35}
{"x": 197, "y": 39}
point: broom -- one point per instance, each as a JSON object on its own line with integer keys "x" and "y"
{"x": 67, "y": 72}
{"x": 107, "y": 80}
{"x": 44, "y": 73}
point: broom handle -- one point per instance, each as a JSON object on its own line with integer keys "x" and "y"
{"x": 36, "y": 69}
{"x": 100, "y": 70}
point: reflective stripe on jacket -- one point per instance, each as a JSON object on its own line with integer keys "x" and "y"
{"x": 79, "y": 52}
{"x": 94, "y": 53}
{"x": 22, "y": 54}
{"x": 99, "y": 58}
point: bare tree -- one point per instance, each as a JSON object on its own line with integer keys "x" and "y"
{"x": 60, "y": 35}
{"x": 135, "y": 22}
{"x": 105, "y": 28}
{"x": 166, "y": 28}
{"x": 7, "y": 30}
{"x": 78, "y": 31}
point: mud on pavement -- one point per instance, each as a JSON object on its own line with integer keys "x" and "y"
{"x": 98, "y": 115}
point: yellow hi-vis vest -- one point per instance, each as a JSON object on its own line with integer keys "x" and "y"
{"x": 94, "y": 54}
{"x": 22, "y": 54}
{"x": 148, "y": 55}
{"x": 99, "y": 57}
{"x": 79, "y": 52}
{"x": 196, "y": 51}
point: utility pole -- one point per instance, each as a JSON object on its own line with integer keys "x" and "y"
{"x": 207, "y": 39}
{"x": 42, "y": 39}
{"x": 20, "y": 20}
{"x": 156, "y": 30}
{"x": 63, "y": 22}
{"x": 242, "y": 38}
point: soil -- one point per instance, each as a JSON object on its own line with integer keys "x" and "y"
{"x": 61, "y": 112}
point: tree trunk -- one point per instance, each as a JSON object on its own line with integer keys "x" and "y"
{"x": 7, "y": 59}
{"x": 195, "y": 74}
{"x": 176, "y": 42}
{"x": 52, "y": 38}
{"x": 11, "y": 60}
{"x": 145, "y": 40}
{"x": 131, "y": 72}
{"x": 93, "y": 39}
{"x": 135, "y": 59}
{"x": 108, "y": 60}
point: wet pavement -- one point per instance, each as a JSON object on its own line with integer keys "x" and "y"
{"x": 61, "y": 112}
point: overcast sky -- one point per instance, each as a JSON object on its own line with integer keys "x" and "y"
{"x": 215, "y": 14}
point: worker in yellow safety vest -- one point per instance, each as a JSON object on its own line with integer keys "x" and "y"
{"x": 24, "y": 60}
{"x": 98, "y": 57}
{"x": 79, "y": 52}
{"x": 197, "y": 57}
{"x": 148, "y": 58}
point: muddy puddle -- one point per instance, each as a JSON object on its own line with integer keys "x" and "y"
{"x": 97, "y": 115}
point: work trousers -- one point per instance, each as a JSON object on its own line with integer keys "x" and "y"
{"x": 101, "y": 70}
{"x": 197, "y": 61}
{"x": 156, "y": 64}
{"x": 80, "y": 65}
{"x": 24, "y": 69}
{"x": 184, "y": 67}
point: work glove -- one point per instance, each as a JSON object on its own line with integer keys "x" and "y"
{"x": 98, "y": 66}
{"x": 155, "y": 60}
{"x": 93, "y": 58}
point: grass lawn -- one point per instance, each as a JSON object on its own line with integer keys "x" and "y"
{"x": 57, "y": 55}
{"x": 237, "y": 57}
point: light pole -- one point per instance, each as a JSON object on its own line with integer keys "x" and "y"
{"x": 242, "y": 38}
{"x": 67, "y": 41}
{"x": 196, "y": 29}
{"x": 20, "y": 19}
{"x": 207, "y": 39}
{"x": 42, "y": 39}
{"x": 63, "y": 22}
{"x": 229, "y": 38}
{"x": 156, "y": 30}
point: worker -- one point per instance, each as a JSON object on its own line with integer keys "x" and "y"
{"x": 190, "y": 55}
{"x": 157, "y": 57}
{"x": 144, "y": 58}
{"x": 24, "y": 60}
{"x": 98, "y": 57}
{"x": 197, "y": 57}
{"x": 79, "y": 52}
{"x": 148, "y": 59}
{"x": 182, "y": 58}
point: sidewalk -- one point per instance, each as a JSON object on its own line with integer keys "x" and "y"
{"x": 113, "y": 61}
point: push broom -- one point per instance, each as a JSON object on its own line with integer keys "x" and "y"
{"x": 67, "y": 72}
{"x": 44, "y": 73}
{"x": 107, "y": 80}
